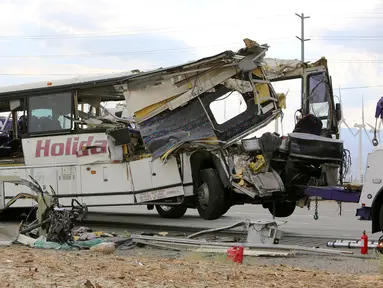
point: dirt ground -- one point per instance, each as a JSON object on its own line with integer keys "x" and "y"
{"x": 30, "y": 267}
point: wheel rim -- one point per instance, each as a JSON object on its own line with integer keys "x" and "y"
{"x": 165, "y": 208}
{"x": 203, "y": 195}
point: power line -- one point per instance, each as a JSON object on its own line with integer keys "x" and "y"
{"x": 144, "y": 52}
{"x": 48, "y": 74}
{"x": 137, "y": 52}
{"x": 351, "y": 61}
{"x": 185, "y": 49}
{"x": 119, "y": 33}
{"x": 157, "y": 30}
{"x": 98, "y": 73}
{"x": 360, "y": 87}
{"x": 360, "y": 37}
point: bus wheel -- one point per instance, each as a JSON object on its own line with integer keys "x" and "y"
{"x": 171, "y": 211}
{"x": 225, "y": 210}
{"x": 282, "y": 209}
{"x": 381, "y": 218}
{"x": 210, "y": 195}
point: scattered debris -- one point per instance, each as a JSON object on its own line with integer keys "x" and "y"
{"x": 105, "y": 247}
{"x": 191, "y": 244}
{"x": 54, "y": 226}
{"x": 248, "y": 252}
{"x": 54, "y": 230}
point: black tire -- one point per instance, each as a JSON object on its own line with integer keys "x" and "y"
{"x": 213, "y": 206}
{"x": 282, "y": 209}
{"x": 381, "y": 218}
{"x": 172, "y": 211}
{"x": 225, "y": 210}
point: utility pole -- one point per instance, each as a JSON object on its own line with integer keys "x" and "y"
{"x": 304, "y": 107}
{"x": 302, "y": 38}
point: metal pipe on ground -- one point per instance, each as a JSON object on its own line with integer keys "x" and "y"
{"x": 238, "y": 224}
{"x": 159, "y": 239}
{"x": 376, "y": 242}
{"x": 351, "y": 244}
{"x": 209, "y": 249}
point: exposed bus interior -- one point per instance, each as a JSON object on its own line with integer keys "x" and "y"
{"x": 13, "y": 126}
{"x": 48, "y": 114}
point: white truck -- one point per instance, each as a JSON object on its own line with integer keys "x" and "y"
{"x": 371, "y": 197}
{"x": 171, "y": 148}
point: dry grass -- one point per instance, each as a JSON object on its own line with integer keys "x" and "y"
{"x": 29, "y": 268}
{"x": 380, "y": 262}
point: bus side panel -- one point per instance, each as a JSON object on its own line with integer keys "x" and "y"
{"x": 141, "y": 173}
{"x": 11, "y": 190}
{"x": 106, "y": 184}
{"x": 156, "y": 180}
{"x": 187, "y": 175}
{"x": 64, "y": 180}
{"x": 45, "y": 176}
{"x": 165, "y": 174}
{"x": 68, "y": 184}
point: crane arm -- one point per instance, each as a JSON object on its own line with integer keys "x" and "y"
{"x": 378, "y": 114}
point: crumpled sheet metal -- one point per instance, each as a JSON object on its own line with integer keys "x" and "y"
{"x": 170, "y": 129}
{"x": 213, "y": 64}
{"x": 206, "y": 144}
{"x": 274, "y": 67}
{"x": 261, "y": 182}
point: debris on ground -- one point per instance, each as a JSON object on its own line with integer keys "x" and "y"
{"x": 52, "y": 268}
{"x": 53, "y": 227}
{"x": 105, "y": 247}
{"x": 61, "y": 261}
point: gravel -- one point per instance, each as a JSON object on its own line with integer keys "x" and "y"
{"x": 30, "y": 267}
{"x": 329, "y": 263}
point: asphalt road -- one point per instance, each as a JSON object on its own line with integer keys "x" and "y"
{"x": 301, "y": 223}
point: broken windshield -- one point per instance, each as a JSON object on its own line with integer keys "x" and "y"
{"x": 319, "y": 97}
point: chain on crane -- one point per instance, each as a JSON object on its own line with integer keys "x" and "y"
{"x": 340, "y": 208}
{"x": 375, "y": 140}
{"x": 273, "y": 210}
{"x": 316, "y": 215}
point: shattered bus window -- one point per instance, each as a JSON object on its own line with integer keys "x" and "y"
{"x": 318, "y": 97}
{"x": 228, "y": 106}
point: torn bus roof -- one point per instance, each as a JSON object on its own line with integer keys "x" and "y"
{"x": 152, "y": 92}
{"x": 172, "y": 108}
{"x": 278, "y": 68}
{"x": 84, "y": 81}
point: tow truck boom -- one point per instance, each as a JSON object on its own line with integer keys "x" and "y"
{"x": 378, "y": 114}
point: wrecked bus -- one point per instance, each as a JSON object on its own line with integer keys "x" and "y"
{"x": 167, "y": 149}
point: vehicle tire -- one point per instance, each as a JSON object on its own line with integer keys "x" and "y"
{"x": 225, "y": 210}
{"x": 210, "y": 195}
{"x": 381, "y": 218}
{"x": 171, "y": 211}
{"x": 282, "y": 209}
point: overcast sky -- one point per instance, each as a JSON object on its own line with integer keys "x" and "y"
{"x": 44, "y": 40}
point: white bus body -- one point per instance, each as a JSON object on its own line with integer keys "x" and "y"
{"x": 80, "y": 157}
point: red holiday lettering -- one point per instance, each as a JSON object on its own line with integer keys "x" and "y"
{"x": 45, "y": 148}
{"x": 71, "y": 146}
{"x": 57, "y": 149}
